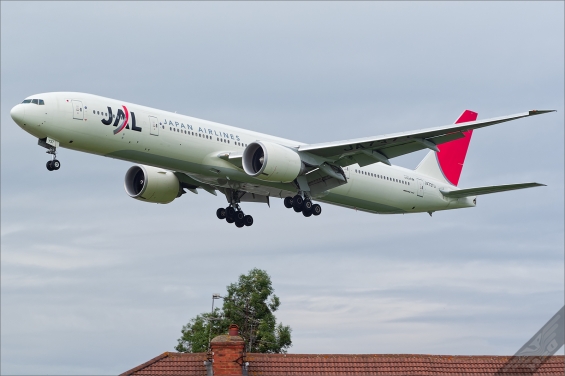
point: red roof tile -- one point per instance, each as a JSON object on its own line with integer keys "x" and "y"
{"x": 171, "y": 363}
{"x": 338, "y": 365}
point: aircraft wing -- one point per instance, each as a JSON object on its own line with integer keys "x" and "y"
{"x": 459, "y": 193}
{"x": 368, "y": 150}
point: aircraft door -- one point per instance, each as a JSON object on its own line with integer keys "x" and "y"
{"x": 420, "y": 183}
{"x": 154, "y": 125}
{"x": 78, "y": 111}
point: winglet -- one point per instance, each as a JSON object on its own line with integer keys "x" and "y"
{"x": 539, "y": 112}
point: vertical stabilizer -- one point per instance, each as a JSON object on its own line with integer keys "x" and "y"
{"x": 448, "y": 163}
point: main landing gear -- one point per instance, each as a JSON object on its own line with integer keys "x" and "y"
{"x": 234, "y": 214}
{"x": 304, "y": 205}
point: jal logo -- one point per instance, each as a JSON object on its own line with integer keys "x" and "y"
{"x": 121, "y": 120}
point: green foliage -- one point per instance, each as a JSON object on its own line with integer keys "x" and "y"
{"x": 195, "y": 334}
{"x": 250, "y": 303}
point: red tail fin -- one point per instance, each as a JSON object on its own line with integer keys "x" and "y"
{"x": 451, "y": 156}
{"x": 448, "y": 163}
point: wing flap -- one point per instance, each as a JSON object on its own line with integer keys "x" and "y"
{"x": 477, "y": 191}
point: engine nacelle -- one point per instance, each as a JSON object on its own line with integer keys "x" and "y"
{"x": 151, "y": 184}
{"x": 271, "y": 162}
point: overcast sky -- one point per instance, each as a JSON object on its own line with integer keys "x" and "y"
{"x": 94, "y": 282}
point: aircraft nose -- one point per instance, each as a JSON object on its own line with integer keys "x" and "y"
{"x": 18, "y": 113}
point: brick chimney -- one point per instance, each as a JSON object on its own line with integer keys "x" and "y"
{"x": 227, "y": 353}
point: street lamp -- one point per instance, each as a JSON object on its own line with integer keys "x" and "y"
{"x": 214, "y": 297}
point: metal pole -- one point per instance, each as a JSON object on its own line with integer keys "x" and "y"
{"x": 214, "y": 297}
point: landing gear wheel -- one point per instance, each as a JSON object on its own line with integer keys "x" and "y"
{"x": 248, "y": 220}
{"x": 288, "y": 202}
{"x": 230, "y": 212}
{"x": 239, "y": 224}
{"x": 239, "y": 216}
{"x": 230, "y": 220}
{"x": 55, "y": 164}
{"x": 306, "y": 213}
{"x": 316, "y": 209}
{"x": 221, "y": 213}
{"x": 297, "y": 202}
{"x": 49, "y": 166}
{"x": 307, "y": 205}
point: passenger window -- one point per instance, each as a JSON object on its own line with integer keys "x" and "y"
{"x": 34, "y": 101}
{"x": 27, "y": 101}
{"x": 41, "y": 103}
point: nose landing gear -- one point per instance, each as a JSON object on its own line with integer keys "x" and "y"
{"x": 304, "y": 205}
{"x": 53, "y": 165}
{"x": 51, "y": 146}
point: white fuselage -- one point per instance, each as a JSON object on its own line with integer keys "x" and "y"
{"x": 190, "y": 145}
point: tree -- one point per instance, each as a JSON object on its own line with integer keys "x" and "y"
{"x": 250, "y": 303}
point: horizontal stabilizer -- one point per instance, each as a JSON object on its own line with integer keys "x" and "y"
{"x": 486, "y": 190}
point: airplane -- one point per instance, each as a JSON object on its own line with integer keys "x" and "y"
{"x": 175, "y": 154}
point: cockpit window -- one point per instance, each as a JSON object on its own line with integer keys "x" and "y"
{"x": 34, "y": 101}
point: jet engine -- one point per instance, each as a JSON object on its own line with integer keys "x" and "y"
{"x": 152, "y": 184}
{"x": 271, "y": 162}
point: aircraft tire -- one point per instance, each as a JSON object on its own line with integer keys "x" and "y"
{"x": 49, "y": 166}
{"x": 288, "y": 202}
{"x": 297, "y": 203}
{"x": 239, "y": 216}
{"x": 230, "y": 220}
{"x": 239, "y": 224}
{"x": 307, "y": 205}
{"x": 230, "y": 212}
{"x": 307, "y": 213}
{"x": 248, "y": 220}
{"x": 316, "y": 209}
{"x": 221, "y": 213}
{"x": 55, "y": 164}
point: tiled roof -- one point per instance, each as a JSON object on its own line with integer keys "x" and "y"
{"x": 334, "y": 365}
{"x": 171, "y": 363}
